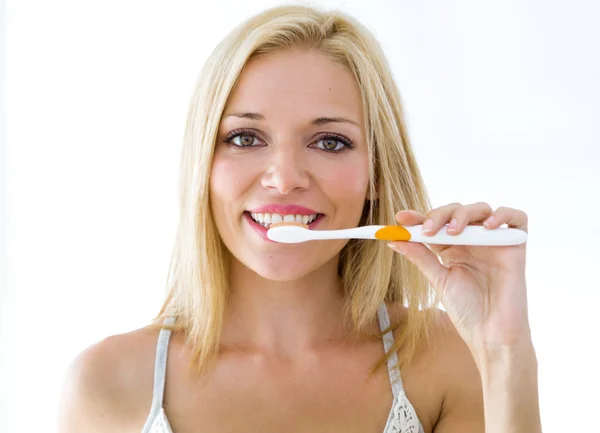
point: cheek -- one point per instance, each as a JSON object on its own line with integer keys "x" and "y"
{"x": 225, "y": 186}
{"x": 346, "y": 186}
{"x": 228, "y": 179}
{"x": 349, "y": 181}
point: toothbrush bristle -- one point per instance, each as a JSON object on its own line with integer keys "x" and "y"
{"x": 290, "y": 223}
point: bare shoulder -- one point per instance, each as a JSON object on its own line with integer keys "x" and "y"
{"x": 108, "y": 386}
{"x": 447, "y": 360}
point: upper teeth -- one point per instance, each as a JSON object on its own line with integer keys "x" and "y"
{"x": 268, "y": 218}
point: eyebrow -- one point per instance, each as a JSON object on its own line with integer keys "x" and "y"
{"x": 317, "y": 122}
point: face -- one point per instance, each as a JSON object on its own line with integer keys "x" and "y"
{"x": 290, "y": 157}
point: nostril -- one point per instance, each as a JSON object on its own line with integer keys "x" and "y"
{"x": 286, "y": 178}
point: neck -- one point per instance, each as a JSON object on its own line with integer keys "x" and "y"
{"x": 284, "y": 317}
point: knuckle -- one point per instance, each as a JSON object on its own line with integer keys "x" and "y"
{"x": 485, "y": 205}
{"x": 460, "y": 213}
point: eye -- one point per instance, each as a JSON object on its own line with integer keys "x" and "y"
{"x": 241, "y": 138}
{"x": 334, "y": 143}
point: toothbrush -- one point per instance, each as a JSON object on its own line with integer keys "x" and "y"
{"x": 293, "y": 232}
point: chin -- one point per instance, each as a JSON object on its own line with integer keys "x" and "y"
{"x": 288, "y": 270}
{"x": 283, "y": 273}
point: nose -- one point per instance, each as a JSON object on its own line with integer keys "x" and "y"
{"x": 286, "y": 170}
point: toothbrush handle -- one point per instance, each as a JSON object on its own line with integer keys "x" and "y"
{"x": 364, "y": 232}
{"x": 471, "y": 235}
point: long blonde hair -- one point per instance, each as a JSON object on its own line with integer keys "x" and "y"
{"x": 370, "y": 272}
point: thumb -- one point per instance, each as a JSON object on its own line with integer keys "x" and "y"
{"x": 424, "y": 259}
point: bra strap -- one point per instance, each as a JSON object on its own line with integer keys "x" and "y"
{"x": 388, "y": 342}
{"x": 160, "y": 369}
{"x": 160, "y": 364}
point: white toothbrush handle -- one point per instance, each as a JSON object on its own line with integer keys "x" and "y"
{"x": 364, "y": 232}
{"x": 471, "y": 235}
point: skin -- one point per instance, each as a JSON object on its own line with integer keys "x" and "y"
{"x": 285, "y": 362}
{"x": 498, "y": 335}
{"x": 277, "y": 308}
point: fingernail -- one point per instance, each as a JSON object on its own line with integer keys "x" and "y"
{"x": 427, "y": 226}
{"x": 453, "y": 224}
{"x": 489, "y": 221}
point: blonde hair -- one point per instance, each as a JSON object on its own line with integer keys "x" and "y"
{"x": 371, "y": 273}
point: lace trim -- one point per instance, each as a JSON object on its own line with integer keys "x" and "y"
{"x": 160, "y": 423}
{"x": 402, "y": 418}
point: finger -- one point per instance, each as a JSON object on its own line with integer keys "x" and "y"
{"x": 514, "y": 218}
{"x": 409, "y": 217}
{"x": 424, "y": 259}
{"x": 438, "y": 217}
{"x": 466, "y": 215}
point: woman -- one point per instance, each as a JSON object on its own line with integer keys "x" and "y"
{"x": 296, "y": 113}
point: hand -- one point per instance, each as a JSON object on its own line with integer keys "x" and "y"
{"x": 482, "y": 288}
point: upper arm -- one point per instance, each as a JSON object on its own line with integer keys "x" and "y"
{"x": 96, "y": 396}
{"x": 462, "y": 407}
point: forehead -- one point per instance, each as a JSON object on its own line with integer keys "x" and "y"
{"x": 300, "y": 83}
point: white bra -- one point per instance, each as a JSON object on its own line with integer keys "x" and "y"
{"x": 401, "y": 419}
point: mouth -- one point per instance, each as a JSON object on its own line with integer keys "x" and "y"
{"x": 266, "y": 219}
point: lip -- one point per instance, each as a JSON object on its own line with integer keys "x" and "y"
{"x": 285, "y": 209}
{"x": 262, "y": 231}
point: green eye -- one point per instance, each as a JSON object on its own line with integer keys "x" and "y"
{"x": 330, "y": 144}
{"x": 334, "y": 143}
{"x": 243, "y": 140}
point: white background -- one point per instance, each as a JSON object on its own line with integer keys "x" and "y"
{"x": 502, "y": 101}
